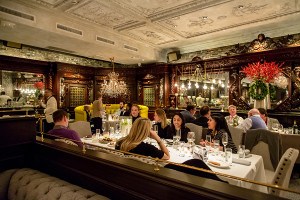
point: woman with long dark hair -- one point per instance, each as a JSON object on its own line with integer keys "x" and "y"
{"x": 178, "y": 124}
{"x": 217, "y": 127}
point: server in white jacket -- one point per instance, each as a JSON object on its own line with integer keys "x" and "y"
{"x": 50, "y": 108}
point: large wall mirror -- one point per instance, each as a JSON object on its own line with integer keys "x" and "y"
{"x": 23, "y": 89}
{"x": 201, "y": 87}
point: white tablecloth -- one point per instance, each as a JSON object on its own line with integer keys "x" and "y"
{"x": 255, "y": 171}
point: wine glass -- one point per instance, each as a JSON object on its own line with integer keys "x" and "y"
{"x": 117, "y": 129}
{"x": 191, "y": 137}
{"x": 225, "y": 140}
{"x": 103, "y": 126}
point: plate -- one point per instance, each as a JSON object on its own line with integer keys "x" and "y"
{"x": 222, "y": 165}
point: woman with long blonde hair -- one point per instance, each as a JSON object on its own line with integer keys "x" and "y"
{"x": 133, "y": 142}
{"x": 160, "y": 119}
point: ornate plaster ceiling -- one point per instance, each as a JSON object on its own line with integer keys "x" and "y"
{"x": 140, "y": 31}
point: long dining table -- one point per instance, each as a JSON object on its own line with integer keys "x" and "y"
{"x": 255, "y": 171}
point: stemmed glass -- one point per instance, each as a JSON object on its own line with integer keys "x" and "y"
{"x": 225, "y": 142}
{"x": 103, "y": 126}
{"x": 117, "y": 129}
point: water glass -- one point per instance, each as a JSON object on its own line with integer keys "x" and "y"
{"x": 228, "y": 156}
{"x": 175, "y": 141}
{"x": 208, "y": 140}
{"x": 181, "y": 149}
{"x": 216, "y": 147}
{"x": 241, "y": 151}
{"x": 98, "y": 134}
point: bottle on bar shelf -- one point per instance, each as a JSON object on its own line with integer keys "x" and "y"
{"x": 295, "y": 128}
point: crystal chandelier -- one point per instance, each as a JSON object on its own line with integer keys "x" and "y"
{"x": 113, "y": 87}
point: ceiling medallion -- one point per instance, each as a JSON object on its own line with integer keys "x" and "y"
{"x": 113, "y": 87}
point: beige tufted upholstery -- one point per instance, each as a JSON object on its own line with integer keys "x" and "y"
{"x": 284, "y": 170}
{"x": 29, "y": 184}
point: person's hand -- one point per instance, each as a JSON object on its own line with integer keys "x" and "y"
{"x": 202, "y": 142}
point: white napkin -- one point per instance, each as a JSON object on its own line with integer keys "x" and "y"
{"x": 241, "y": 161}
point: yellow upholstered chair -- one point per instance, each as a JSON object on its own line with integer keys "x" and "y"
{"x": 81, "y": 115}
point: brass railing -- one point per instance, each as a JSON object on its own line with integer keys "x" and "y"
{"x": 157, "y": 164}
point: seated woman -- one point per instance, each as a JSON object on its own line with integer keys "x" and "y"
{"x": 133, "y": 142}
{"x": 217, "y": 127}
{"x": 135, "y": 112}
{"x": 178, "y": 124}
{"x": 161, "y": 121}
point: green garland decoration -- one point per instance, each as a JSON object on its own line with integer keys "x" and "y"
{"x": 272, "y": 92}
{"x": 255, "y": 87}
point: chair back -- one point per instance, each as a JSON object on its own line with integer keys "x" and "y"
{"x": 283, "y": 171}
{"x": 83, "y": 128}
{"x": 237, "y": 135}
{"x": 262, "y": 149}
{"x": 197, "y": 130}
{"x": 265, "y": 143}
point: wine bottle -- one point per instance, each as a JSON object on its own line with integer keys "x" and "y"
{"x": 295, "y": 127}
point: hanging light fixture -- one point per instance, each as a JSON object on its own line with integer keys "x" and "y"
{"x": 113, "y": 87}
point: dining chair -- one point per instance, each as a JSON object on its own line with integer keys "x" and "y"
{"x": 237, "y": 135}
{"x": 283, "y": 171}
{"x": 83, "y": 128}
{"x": 265, "y": 143}
{"x": 197, "y": 130}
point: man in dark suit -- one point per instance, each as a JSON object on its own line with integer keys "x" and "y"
{"x": 204, "y": 117}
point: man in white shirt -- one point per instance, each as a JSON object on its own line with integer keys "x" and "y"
{"x": 254, "y": 121}
{"x": 50, "y": 108}
{"x": 233, "y": 119}
{"x": 4, "y": 98}
{"x": 121, "y": 110}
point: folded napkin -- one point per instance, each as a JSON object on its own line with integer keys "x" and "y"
{"x": 241, "y": 161}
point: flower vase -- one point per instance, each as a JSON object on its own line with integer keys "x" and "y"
{"x": 264, "y": 103}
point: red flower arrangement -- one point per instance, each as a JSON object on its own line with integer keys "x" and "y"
{"x": 39, "y": 85}
{"x": 266, "y": 72}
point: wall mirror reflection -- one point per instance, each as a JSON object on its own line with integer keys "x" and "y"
{"x": 19, "y": 89}
{"x": 210, "y": 89}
